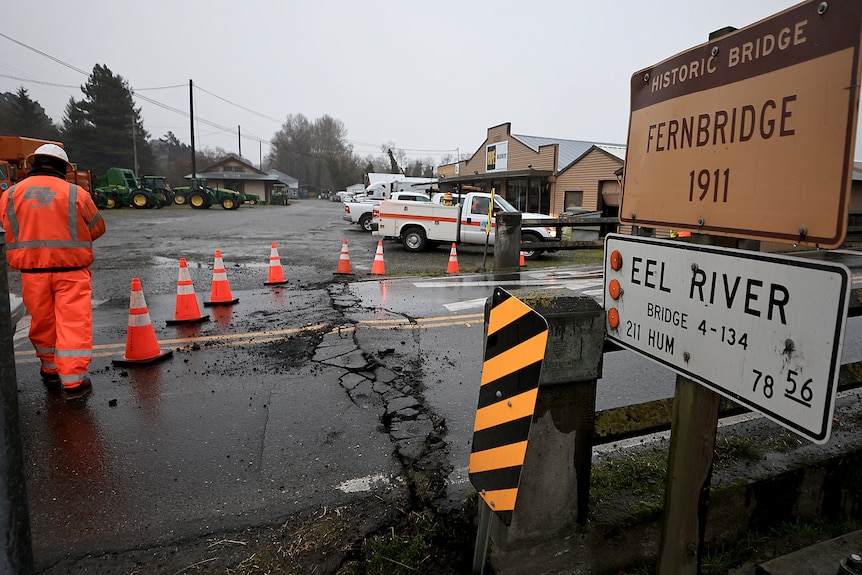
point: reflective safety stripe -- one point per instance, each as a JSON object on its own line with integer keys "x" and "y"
{"x": 137, "y": 303}
{"x": 72, "y": 211}
{"x": 92, "y": 223}
{"x": 49, "y": 365}
{"x": 44, "y": 350}
{"x": 49, "y": 244}
{"x": 74, "y": 378}
{"x": 511, "y": 455}
{"x": 185, "y": 288}
{"x": 73, "y": 353}
{"x": 501, "y": 499}
{"x": 10, "y": 214}
{"x": 139, "y": 319}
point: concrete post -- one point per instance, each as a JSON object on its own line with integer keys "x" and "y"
{"x": 17, "y": 554}
{"x": 554, "y": 490}
{"x": 507, "y": 242}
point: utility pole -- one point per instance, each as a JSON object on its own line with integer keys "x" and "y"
{"x": 135, "y": 147}
{"x": 192, "y": 125}
{"x": 239, "y": 140}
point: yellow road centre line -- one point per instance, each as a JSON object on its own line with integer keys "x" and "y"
{"x": 108, "y": 349}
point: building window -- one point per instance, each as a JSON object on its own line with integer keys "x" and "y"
{"x": 516, "y": 193}
{"x": 232, "y": 169}
{"x": 574, "y": 201}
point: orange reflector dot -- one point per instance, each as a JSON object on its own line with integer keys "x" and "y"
{"x": 613, "y": 318}
{"x": 616, "y": 260}
{"x": 614, "y": 289}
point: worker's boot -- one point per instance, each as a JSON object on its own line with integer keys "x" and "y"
{"x": 79, "y": 391}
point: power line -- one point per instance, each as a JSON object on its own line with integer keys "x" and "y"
{"x": 41, "y": 53}
{"x": 38, "y": 82}
{"x": 183, "y": 113}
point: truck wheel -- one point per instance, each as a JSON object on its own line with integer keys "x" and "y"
{"x": 141, "y": 200}
{"x": 228, "y": 203}
{"x": 179, "y": 199}
{"x": 414, "y": 239}
{"x": 526, "y": 241}
{"x": 198, "y": 201}
{"x": 365, "y": 221}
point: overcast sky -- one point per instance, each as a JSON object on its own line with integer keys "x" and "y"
{"x": 430, "y": 78}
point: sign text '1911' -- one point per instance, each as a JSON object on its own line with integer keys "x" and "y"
{"x": 718, "y": 181}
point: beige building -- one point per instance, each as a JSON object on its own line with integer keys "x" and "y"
{"x": 542, "y": 175}
{"x": 233, "y": 174}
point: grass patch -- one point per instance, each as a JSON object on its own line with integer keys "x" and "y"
{"x": 733, "y": 449}
{"x": 283, "y": 555}
{"x": 398, "y": 552}
{"x": 637, "y": 473}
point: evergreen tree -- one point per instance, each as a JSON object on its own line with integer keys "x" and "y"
{"x": 22, "y": 116}
{"x": 172, "y": 159}
{"x": 104, "y": 129}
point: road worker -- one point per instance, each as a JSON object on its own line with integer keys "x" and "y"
{"x": 50, "y": 226}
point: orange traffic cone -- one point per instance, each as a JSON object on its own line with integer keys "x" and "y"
{"x": 378, "y": 267}
{"x": 453, "y": 261}
{"x": 523, "y": 263}
{"x": 276, "y": 275}
{"x": 142, "y": 348}
{"x": 220, "y": 293}
{"x": 187, "y": 310}
{"x": 344, "y": 260}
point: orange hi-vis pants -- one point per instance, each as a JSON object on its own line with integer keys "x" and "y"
{"x": 61, "y": 325}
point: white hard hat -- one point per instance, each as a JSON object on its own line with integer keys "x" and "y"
{"x": 49, "y": 150}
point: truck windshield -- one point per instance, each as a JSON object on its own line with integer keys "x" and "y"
{"x": 503, "y": 205}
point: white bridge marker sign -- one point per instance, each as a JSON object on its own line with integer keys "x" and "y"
{"x": 763, "y": 330}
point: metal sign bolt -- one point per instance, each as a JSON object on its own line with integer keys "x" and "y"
{"x": 700, "y": 222}
{"x": 850, "y": 566}
{"x": 822, "y": 8}
{"x": 803, "y": 231}
{"x": 646, "y": 77}
{"x": 686, "y": 356}
{"x": 714, "y": 51}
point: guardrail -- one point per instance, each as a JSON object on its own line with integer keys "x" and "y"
{"x": 603, "y": 223}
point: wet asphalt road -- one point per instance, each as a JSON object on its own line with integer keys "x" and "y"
{"x": 309, "y": 396}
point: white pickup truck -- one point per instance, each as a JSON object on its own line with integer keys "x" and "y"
{"x": 421, "y": 225}
{"x": 361, "y": 212}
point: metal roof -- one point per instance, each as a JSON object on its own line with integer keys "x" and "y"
{"x": 234, "y": 176}
{"x": 570, "y": 150}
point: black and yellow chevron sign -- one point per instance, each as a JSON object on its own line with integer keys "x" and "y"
{"x": 514, "y": 349}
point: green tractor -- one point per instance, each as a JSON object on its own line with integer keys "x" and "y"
{"x": 200, "y": 196}
{"x": 252, "y": 199}
{"x": 160, "y": 189}
{"x": 119, "y": 187}
{"x": 279, "y": 195}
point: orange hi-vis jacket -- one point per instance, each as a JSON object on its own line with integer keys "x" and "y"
{"x": 50, "y": 224}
